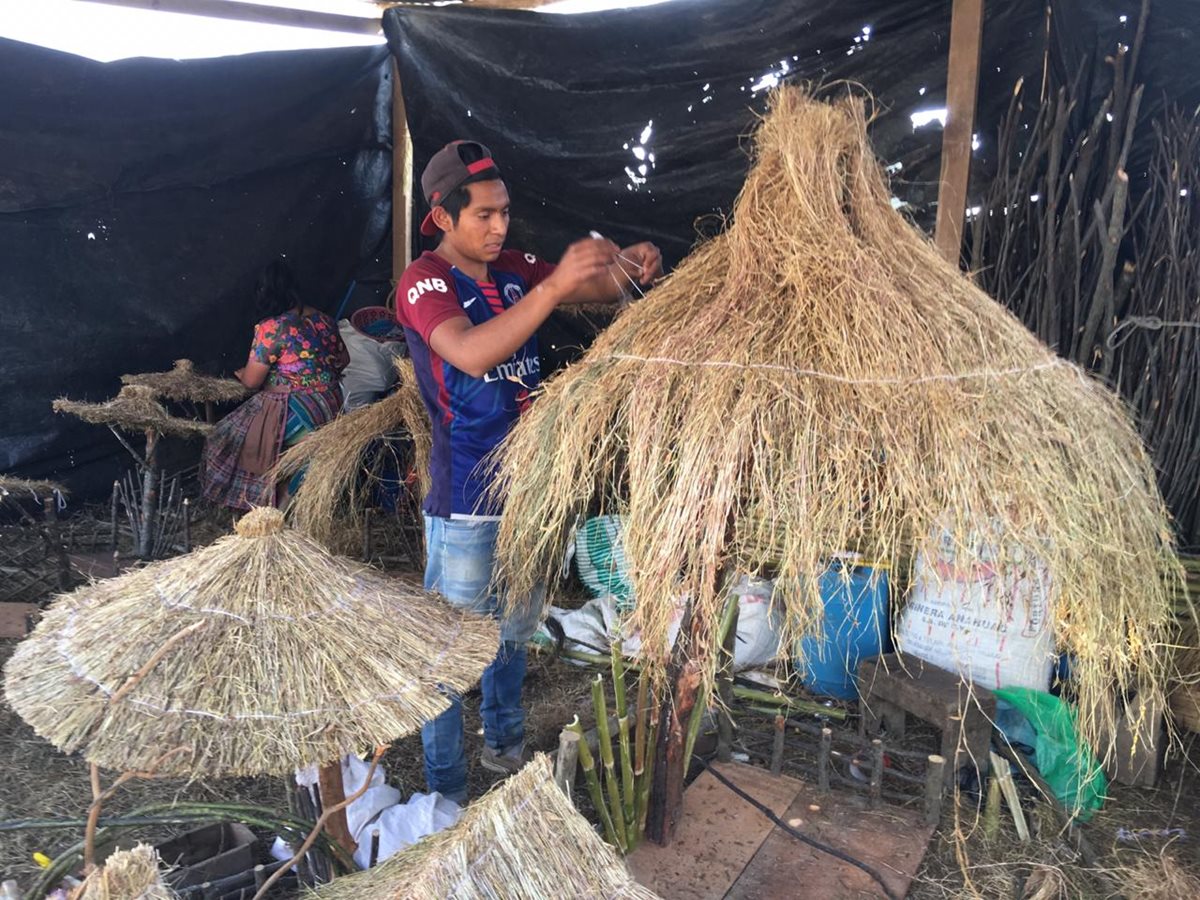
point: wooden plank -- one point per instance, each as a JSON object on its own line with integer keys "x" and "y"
{"x": 15, "y": 617}
{"x": 962, "y": 82}
{"x": 718, "y": 834}
{"x": 258, "y": 13}
{"x": 890, "y": 840}
{"x": 333, "y": 792}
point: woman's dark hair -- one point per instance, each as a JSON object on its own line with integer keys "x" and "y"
{"x": 276, "y": 292}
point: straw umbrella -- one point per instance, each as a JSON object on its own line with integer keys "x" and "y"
{"x": 184, "y": 384}
{"x": 255, "y": 655}
{"x": 523, "y": 840}
{"x": 136, "y": 409}
{"x": 817, "y": 379}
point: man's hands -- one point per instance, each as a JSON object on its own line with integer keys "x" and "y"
{"x": 583, "y": 263}
{"x": 642, "y": 262}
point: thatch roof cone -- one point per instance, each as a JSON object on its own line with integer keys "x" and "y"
{"x": 522, "y": 841}
{"x": 816, "y": 379}
{"x": 183, "y": 382}
{"x": 135, "y": 408}
{"x": 127, "y": 875}
{"x": 263, "y": 652}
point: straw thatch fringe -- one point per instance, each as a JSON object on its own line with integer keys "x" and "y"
{"x": 184, "y": 383}
{"x": 12, "y": 485}
{"x": 127, "y": 875}
{"x": 133, "y": 409}
{"x": 340, "y": 469}
{"x": 817, "y": 379}
{"x": 274, "y": 655}
{"x": 523, "y": 840}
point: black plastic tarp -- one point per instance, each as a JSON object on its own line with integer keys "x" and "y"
{"x": 140, "y": 199}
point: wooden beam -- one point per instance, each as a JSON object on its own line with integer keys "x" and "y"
{"x": 402, "y": 176}
{"x": 962, "y": 82}
{"x": 257, "y": 13}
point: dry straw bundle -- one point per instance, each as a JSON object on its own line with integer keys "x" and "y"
{"x": 135, "y": 408}
{"x": 523, "y": 840}
{"x": 184, "y": 383}
{"x": 818, "y": 379}
{"x": 254, "y": 655}
{"x": 23, "y": 486}
{"x": 330, "y": 500}
{"x": 127, "y": 875}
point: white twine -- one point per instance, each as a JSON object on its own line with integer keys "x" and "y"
{"x": 1151, "y": 323}
{"x": 843, "y": 379}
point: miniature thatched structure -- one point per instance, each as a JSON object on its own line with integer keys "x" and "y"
{"x": 254, "y": 655}
{"x": 127, "y": 875}
{"x": 339, "y": 469}
{"x": 522, "y": 841}
{"x": 183, "y": 383}
{"x": 135, "y": 408}
{"x": 818, "y": 379}
{"x": 23, "y": 486}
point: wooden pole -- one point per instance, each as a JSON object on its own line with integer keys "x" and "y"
{"x": 333, "y": 792}
{"x": 402, "y": 175}
{"x": 145, "y": 535}
{"x": 962, "y": 82}
{"x": 257, "y": 12}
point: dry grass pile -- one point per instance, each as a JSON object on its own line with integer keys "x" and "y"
{"x": 183, "y": 383}
{"x": 341, "y": 465}
{"x": 254, "y": 655}
{"x": 523, "y": 839}
{"x": 1157, "y": 878}
{"x": 24, "y": 486}
{"x": 135, "y": 408}
{"x": 817, "y": 378}
{"x": 127, "y": 875}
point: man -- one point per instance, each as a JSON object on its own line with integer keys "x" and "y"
{"x": 470, "y": 310}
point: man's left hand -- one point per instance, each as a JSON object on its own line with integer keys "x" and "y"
{"x": 647, "y": 259}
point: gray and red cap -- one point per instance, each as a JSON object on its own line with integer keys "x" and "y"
{"x": 446, "y": 172}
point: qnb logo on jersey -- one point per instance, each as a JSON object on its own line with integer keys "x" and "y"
{"x": 515, "y": 370}
{"x": 424, "y": 286}
{"x": 513, "y": 293}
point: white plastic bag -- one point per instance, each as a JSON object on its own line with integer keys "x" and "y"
{"x": 403, "y": 824}
{"x": 371, "y": 372}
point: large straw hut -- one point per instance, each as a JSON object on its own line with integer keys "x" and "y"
{"x": 523, "y": 840}
{"x": 184, "y": 384}
{"x": 818, "y": 379}
{"x": 254, "y": 655}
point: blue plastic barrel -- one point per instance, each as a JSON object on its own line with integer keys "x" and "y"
{"x": 855, "y": 628}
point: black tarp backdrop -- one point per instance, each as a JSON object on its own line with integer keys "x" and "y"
{"x": 574, "y": 106}
{"x": 138, "y": 202}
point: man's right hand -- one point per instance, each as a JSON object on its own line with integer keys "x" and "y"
{"x": 583, "y": 262}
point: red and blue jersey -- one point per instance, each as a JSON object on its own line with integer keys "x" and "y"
{"x": 470, "y": 416}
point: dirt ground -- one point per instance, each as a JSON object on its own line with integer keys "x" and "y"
{"x": 1145, "y": 839}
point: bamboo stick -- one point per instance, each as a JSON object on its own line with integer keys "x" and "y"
{"x": 628, "y": 790}
{"x": 606, "y": 757}
{"x": 588, "y": 764}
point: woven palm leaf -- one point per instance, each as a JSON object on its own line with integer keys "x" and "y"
{"x": 127, "y": 875}
{"x": 522, "y": 841}
{"x": 274, "y": 654}
{"x": 135, "y": 408}
{"x": 184, "y": 383}
{"x": 818, "y": 379}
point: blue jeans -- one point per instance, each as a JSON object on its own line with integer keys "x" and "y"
{"x": 460, "y": 558}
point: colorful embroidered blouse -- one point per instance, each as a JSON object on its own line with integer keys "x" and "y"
{"x": 300, "y": 350}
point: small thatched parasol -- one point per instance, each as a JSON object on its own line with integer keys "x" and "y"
{"x": 135, "y": 408}
{"x": 127, "y": 875}
{"x": 184, "y": 383}
{"x": 254, "y": 655}
{"x": 818, "y": 379}
{"x": 523, "y": 841}
{"x": 337, "y": 463}
{"x": 19, "y": 486}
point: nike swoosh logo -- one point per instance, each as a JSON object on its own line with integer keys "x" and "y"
{"x": 469, "y": 302}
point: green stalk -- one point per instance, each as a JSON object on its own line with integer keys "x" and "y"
{"x": 618, "y": 673}
{"x": 793, "y": 704}
{"x": 588, "y": 764}
{"x": 627, "y": 785}
{"x": 604, "y": 736}
{"x": 694, "y": 725}
{"x": 647, "y": 779}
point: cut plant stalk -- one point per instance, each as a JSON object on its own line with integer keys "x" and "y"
{"x": 604, "y": 736}
{"x": 628, "y": 790}
{"x": 648, "y": 753}
{"x": 588, "y": 764}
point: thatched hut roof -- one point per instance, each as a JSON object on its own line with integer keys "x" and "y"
{"x": 522, "y": 841}
{"x": 10, "y": 484}
{"x": 818, "y": 379}
{"x": 184, "y": 383}
{"x": 135, "y": 408}
{"x": 256, "y": 654}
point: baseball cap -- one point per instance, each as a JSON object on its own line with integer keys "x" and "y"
{"x": 446, "y": 172}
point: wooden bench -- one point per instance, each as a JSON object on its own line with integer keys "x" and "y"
{"x": 894, "y": 686}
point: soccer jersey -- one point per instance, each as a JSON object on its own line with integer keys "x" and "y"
{"x": 470, "y": 416}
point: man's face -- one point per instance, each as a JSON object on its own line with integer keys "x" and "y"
{"x": 483, "y": 223}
